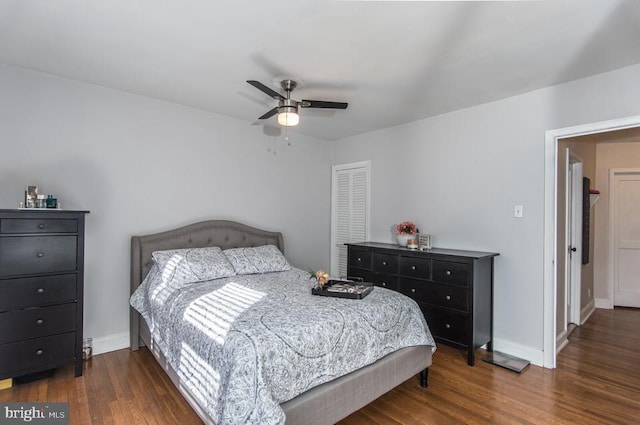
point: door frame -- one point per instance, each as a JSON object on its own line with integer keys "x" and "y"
{"x": 550, "y": 248}
{"x": 612, "y": 223}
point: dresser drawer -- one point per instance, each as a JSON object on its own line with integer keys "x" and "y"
{"x": 360, "y": 259}
{"x": 415, "y": 267}
{"x": 447, "y": 296}
{"x": 36, "y": 291}
{"x": 24, "y": 357}
{"x": 359, "y": 275}
{"x": 415, "y": 289}
{"x": 19, "y": 325}
{"x": 431, "y": 293}
{"x": 450, "y": 272}
{"x": 385, "y": 263}
{"x": 37, "y": 254}
{"x": 447, "y": 325}
{"x": 386, "y": 281}
{"x": 32, "y": 225}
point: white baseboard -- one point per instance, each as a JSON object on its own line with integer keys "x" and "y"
{"x": 536, "y": 357}
{"x": 561, "y": 341}
{"x": 587, "y": 311}
{"x": 111, "y": 342}
{"x": 603, "y": 303}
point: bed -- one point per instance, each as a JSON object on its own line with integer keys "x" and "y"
{"x": 325, "y": 403}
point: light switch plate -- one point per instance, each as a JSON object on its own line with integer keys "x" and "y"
{"x": 518, "y": 211}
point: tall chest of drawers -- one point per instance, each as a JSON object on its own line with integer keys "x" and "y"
{"x": 453, "y": 288}
{"x": 41, "y": 290}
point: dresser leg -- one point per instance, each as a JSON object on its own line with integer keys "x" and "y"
{"x": 79, "y": 367}
{"x": 471, "y": 357}
{"x": 424, "y": 378}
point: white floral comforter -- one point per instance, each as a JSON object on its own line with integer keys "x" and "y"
{"x": 244, "y": 344}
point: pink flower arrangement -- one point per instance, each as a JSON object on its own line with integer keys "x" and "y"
{"x": 406, "y": 228}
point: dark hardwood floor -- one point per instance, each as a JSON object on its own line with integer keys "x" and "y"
{"x": 597, "y": 382}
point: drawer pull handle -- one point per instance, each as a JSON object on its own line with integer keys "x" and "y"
{"x": 40, "y": 254}
{"x": 413, "y": 289}
{"x": 384, "y": 283}
{"x": 39, "y": 322}
{"x": 413, "y": 267}
{"x": 448, "y": 326}
{"x": 448, "y": 272}
{"x": 40, "y": 290}
{"x": 41, "y": 226}
{"x": 39, "y": 352}
{"x": 359, "y": 259}
{"x": 384, "y": 263}
{"x": 448, "y": 297}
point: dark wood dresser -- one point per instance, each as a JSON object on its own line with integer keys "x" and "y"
{"x": 41, "y": 290}
{"x": 453, "y": 288}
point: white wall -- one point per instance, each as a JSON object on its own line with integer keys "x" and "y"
{"x": 459, "y": 175}
{"x": 141, "y": 165}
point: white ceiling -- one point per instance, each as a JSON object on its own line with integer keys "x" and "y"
{"x": 394, "y": 62}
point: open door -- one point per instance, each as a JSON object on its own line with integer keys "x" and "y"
{"x": 574, "y": 238}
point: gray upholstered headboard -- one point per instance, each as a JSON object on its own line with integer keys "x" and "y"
{"x": 223, "y": 233}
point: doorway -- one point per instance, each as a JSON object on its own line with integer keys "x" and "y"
{"x": 624, "y": 213}
{"x": 551, "y": 248}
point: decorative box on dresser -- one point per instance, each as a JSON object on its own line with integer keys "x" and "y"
{"x": 453, "y": 288}
{"x": 41, "y": 290}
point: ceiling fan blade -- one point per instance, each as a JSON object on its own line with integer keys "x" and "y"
{"x": 323, "y": 104}
{"x": 274, "y": 94}
{"x": 269, "y": 114}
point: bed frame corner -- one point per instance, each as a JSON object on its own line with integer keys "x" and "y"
{"x": 134, "y": 316}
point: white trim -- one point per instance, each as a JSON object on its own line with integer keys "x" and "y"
{"x": 550, "y": 217}
{"x": 522, "y": 351}
{"x": 603, "y": 303}
{"x": 587, "y": 311}
{"x": 613, "y": 252}
{"x": 111, "y": 342}
{"x": 612, "y": 239}
{"x": 562, "y": 340}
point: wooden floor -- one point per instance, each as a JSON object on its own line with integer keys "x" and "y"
{"x": 597, "y": 382}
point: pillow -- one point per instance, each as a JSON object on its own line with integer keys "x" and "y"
{"x": 260, "y": 259}
{"x": 193, "y": 264}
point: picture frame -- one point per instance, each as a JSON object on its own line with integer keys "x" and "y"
{"x": 424, "y": 241}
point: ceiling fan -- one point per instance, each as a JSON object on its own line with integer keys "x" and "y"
{"x": 287, "y": 108}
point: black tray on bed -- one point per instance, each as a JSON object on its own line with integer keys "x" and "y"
{"x": 344, "y": 289}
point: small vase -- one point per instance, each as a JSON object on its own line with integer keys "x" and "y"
{"x": 403, "y": 239}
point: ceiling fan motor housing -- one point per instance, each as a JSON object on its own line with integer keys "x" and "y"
{"x": 288, "y": 105}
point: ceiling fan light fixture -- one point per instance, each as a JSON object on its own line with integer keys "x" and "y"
{"x": 288, "y": 116}
{"x": 287, "y": 108}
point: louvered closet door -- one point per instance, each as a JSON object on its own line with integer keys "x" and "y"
{"x": 350, "y": 211}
